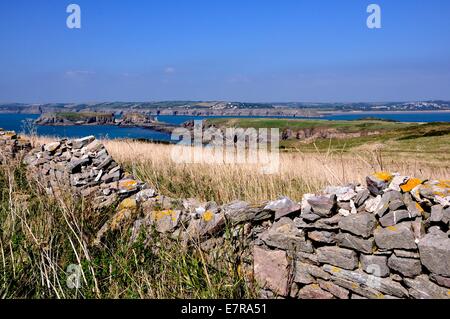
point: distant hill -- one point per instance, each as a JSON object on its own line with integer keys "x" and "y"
{"x": 206, "y": 108}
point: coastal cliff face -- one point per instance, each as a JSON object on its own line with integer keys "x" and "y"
{"x": 388, "y": 238}
{"x": 136, "y": 119}
{"x": 76, "y": 119}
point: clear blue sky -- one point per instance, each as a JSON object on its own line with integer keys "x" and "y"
{"x": 240, "y": 50}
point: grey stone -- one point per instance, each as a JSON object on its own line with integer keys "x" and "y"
{"x": 395, "y": 204}
{"x": 412, "y": 206}
{"x": 395, "y": 237}
{"x": 362, "y": 224}
{"x": 94, "y": 146}
{"x": 435, "y": 254}
{"x": 309, "y": 258}
{"x": 406, "y": 254}
{"x": 52, "y": 147}
{"x": 408, "y": 267}
{"x": 386, "y": 200}
{"x": 301, "y": 275}
{"x": 422, "y": 288}
{"x": 335, "y": 290}
{"x": 81, "y": 142}
{"x": 441, "y": 280}
{"x": 362, "y": 280}
{"x": 240, "y": 212}
{"x": 437, "y": 213}
{"x": 167, "y": 221}
{"x": 310, "y": 217}
{"x": 323, "y": 223}
{"x": 284, "y": 235}
{"x": 75, "y": 165}
{"x": 375, "y": 265}
{"x": 372, "y": 204}
{"x": 323, "y": 205}
{"x": 145, "y": 194}
{"x": 111, "y": 177}
{"x": 361, "y": 197}
{"x": 282, "y": 207}
{"x": 394, "y": 217}
{"x": 105, "y": 162}
{"x": 322, "y": 237}
{"x": 446, "y": 216}
{"x": 376, "y": 185}
{"x": 211, "y": 223}
{"x": 355, "y": 242}
{"x": 383, "y": 205}
{"x": 341, "y": 257}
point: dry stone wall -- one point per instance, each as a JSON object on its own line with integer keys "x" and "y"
{"x": 12, "y": 146}
{"x": 386, "y": 239}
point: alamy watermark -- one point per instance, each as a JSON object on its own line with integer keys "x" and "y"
{"x": 227, "y": 146}
{"x": 374, "y": 19}
{"x": 74, "y": 19}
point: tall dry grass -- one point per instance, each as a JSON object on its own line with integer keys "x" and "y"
{"x": 46, "y": 252}
{"x": 299, "y": 172}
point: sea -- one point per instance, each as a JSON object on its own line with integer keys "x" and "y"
{"x": 17, "y": 122}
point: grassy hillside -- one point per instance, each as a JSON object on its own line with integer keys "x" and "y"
{"x": 294, "y": 124}
{"x": 423, "y": 141}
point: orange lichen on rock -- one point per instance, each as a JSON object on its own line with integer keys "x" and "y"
{"x": 411, "y": 184}
{"x": 384, "y": 176}
{"x": 128, "y": 184}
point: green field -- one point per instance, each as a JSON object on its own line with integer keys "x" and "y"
{"x": 428, "y": 141}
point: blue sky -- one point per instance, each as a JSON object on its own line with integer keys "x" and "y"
{"x": 240, "y": 50}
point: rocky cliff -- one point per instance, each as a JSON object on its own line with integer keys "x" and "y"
{"x": 76, "y": 119}
{"x": 388, "y": 238}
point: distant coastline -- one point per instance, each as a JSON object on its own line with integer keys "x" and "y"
{"x": 382, "y": 112}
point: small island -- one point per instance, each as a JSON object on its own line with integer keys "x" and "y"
{"x": 132, "y": 119}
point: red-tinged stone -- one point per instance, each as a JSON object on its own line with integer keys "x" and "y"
{"x": 313, "y": 292}
{"x": 271, "y": 270}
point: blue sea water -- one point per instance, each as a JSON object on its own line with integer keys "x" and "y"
{"x": 15, "y": 122}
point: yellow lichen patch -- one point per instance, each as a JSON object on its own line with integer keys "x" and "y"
{"x": 128, "y": 184}
{"x": 392, "y": 228}
{"x": 411, "y": 184}
{"x": 128, "y": 203}
{"x": 355, "y": 286}
{"x": 160, "y": 214}
{"x": 448, "y": 292}
{"x": 379, "y": 295}
{"x": 335, "y": 269}
{"x": 315, "y": 286}
{"x": 208, "y": 216}
{"x": 384, "y": 176}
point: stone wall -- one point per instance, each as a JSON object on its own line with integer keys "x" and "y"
{"x": 386, "y": 239}
{"x": 12, "y": 146}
